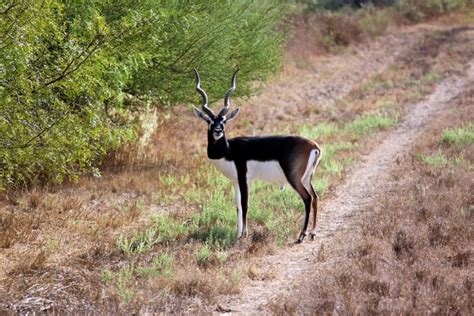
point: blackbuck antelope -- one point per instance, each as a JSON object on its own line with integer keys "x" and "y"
{"x": 278, "y": 159}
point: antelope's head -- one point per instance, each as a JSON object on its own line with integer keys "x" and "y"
{"x": 217, "y": 122}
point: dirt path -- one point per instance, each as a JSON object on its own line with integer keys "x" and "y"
{"x": 367, "y": 181}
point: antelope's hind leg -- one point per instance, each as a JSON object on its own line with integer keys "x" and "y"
{"x": 309, "y": 187}
{"x": 315, "y": 197}
{"x": 299, "y": 187}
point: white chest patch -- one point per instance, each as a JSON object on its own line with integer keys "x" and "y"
{"x": 265, "y": 170}
{"x": 226, "y": 167}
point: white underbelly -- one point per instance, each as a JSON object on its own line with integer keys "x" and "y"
{"x": 226, "y": 167}
{"x": 269, "y": 171}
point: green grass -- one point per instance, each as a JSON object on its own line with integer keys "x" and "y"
{"x": 367, "y": 123}
{"x": 432, "y": 77}
{"x": 139, "y": 242}
{"x": 332, "y": 166}
{"x": 203, "y": 254}
{"x": 321, "y": 185}
{"x": 216, "y": 223}
{"x": 437, "y": 160}
{"x": 107, "y": 276}
{"x": 319, "y": 130}
{"x": 331, "y": 149}
{"x": 221, "y": 256}
{"x": 459, "y": 137}
{"x": 161, "y": 265}
{"x": 163, "y": 228}
{"x": 124, "y": 280}
{"x": 168, "y": 228}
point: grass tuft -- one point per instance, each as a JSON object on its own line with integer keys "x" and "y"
{"x": 459, "y": 137}
{"x": 161, "y": 265}
{"x": 437, "y": 160}
{"x": 203, "y": 255}
{"x": 139, "y": 242}
{"x": 319, "y": 130}
{"x": 365, "y": 124}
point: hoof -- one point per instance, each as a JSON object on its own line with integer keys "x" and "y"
{"x": 312, "y": 236}
{"x": 300, "y": 239}
{"x": 243, "y": 236}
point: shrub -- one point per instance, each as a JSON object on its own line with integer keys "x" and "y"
{"x": 339, "y": 29}
{"x": 375, "y": 22}
{"x": 74, "y": 75}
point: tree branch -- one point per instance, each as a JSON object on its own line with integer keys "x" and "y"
{"x": 66, "y": 71}
{"x": 44, "y": 130}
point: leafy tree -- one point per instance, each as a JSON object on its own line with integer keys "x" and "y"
{"x": 70, "y": 69}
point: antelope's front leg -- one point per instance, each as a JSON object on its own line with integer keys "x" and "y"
{"x": 238, "y": 200}
{"x": 241, "y": 196}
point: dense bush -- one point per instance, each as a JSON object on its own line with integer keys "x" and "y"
{"x": 70, "y": 69}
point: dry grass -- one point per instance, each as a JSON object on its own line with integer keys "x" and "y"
{"x": 412, "y": 252}
{"x": 319, "y": 34}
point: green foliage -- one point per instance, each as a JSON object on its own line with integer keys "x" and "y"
{"x": 461, "y": 136}
{"x": 74, "y": 75}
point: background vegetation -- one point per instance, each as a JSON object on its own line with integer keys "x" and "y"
{"x": 73, "y": 74}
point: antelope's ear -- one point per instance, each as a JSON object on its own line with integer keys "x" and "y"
{"x": 202, "y": 115}
{"x": 233, "y": 114}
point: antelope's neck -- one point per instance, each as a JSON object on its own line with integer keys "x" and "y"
{"x": 217, "y": 149}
